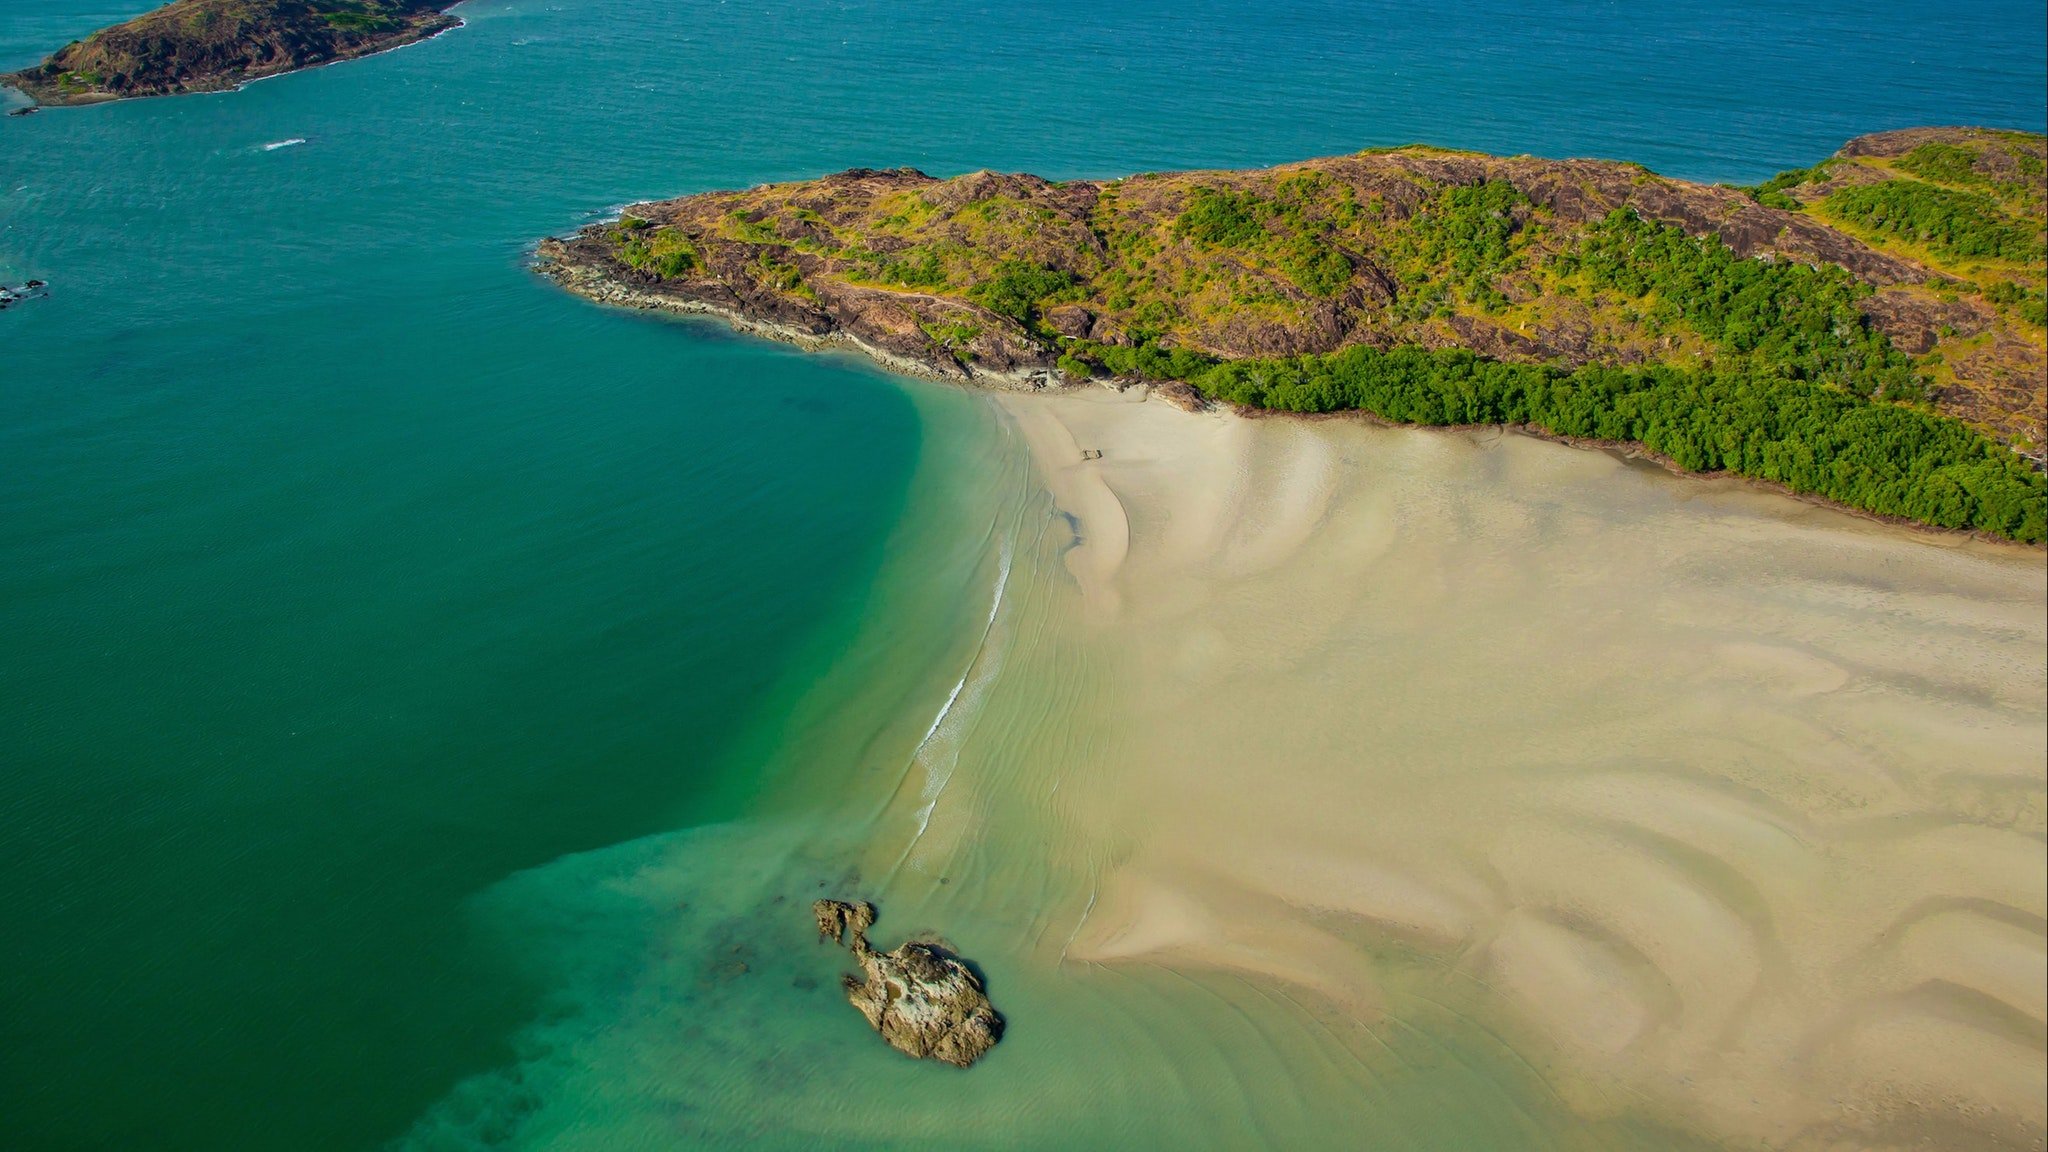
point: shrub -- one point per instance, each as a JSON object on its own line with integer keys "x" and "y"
{"x": 1017, "y": 288}
{"x": 1953, "y": 223}
{"x": 1883, "y": 458}
{"x": 1222, "y": 218}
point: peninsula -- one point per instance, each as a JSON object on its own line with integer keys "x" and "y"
{"x": 212, "y": 45}
{"x": 1868, "y": 331}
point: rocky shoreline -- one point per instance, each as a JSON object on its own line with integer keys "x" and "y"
{"x": 992, "y": 277}
{"x": 587, "y": 269}
{"x": 921, "y": 997}
{"x": 1769, "y": 332}
{"x": 191, "y": 46}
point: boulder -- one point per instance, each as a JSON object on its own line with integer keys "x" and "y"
{"x": 922, "y": 998}
{"x": 837, "y": 918}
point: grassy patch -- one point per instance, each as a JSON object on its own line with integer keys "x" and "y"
{"x": 1795, "y": 320}
{"x": 1952, "y": 223}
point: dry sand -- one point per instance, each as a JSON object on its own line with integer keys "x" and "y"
{"x": 1728, "y": 806}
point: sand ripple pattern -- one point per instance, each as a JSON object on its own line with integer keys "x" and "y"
{"x": 1712, "y": 804}
{"x": 1321, "y": 786}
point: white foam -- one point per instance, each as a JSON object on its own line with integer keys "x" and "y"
{"x": 981, "y": 669}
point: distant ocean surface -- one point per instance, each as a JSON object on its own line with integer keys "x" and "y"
{"x": 348, "y": 570}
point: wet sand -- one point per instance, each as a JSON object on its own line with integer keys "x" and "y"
{"x": 1319, "y": 785}
{"x": 1713, "y": 804}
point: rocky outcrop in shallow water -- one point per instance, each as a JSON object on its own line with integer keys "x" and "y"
{"x": 924, "y": 1000}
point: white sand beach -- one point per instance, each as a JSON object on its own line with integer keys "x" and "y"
{"x": 1310, "y": 784}
{"x": 1715, "y": 802}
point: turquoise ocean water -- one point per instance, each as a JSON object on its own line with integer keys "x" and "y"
{"x": 347, "y": 570}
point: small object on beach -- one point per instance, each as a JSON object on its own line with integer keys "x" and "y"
{"x": 921, "y": 997}
{"x": 1091, "y": 453}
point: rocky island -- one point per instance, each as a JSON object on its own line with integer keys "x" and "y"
{"x": 1868, "y": 331}
{"x": 211, "y": 45}
{"x": 923, "y": 999}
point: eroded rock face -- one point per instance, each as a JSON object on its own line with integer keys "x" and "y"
{"x": 836, "y": 918}
{"x": 921, "y": 997}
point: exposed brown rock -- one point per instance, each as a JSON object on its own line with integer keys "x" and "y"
{"x": 1998, "y": 384}
{"x": 836, "y": 260}
{"x": 924, "y": 1000}
{"x": 837, "y": 918}
{"x": 1916, "y": 320}
{"x": 1900, "y": 141}
{"x": 1490, "y": 339}
{"x": 210, "y": 45}
{"x": 1070, "y": 320}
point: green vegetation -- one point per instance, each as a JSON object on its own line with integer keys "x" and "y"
{"x": 925, "y": 271}
{"x": 2029, "y": 304}
{"x": 1459, "y": 244}
{"x": 1577, "y": 310}
{"x": 208, "y": 45}
{"x": 1943, "y": 163}
{"x": 359, "y": 16}
{"x": 1951, "y": 222}
{"x": 781, "y": 274}
{"x": 1017, "y": 289}
{"x": 954, "y": 337}
{"x": 1773, "y": 193}
{"x": 1292, "y": 229}
{"x": 751, "y": 227}
{"x": 1787, "y": 396}
{"x": 1149, "y": 361}
{"x": 1799, "y": 321}
{"x": 1883, "y": 458}
{"x": 664, "y": 252}
{"x": 1223, "y": 219}
{"x": 2014, "y": 174}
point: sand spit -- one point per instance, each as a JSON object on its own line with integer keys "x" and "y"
{"x": 1715, "y": 803}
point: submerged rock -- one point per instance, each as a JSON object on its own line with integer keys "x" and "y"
{"x": 924, "y": 1000}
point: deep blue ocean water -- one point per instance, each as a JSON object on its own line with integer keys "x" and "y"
{"x": 347, "y": 569}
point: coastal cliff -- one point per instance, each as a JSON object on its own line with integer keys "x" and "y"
{"x": 1869, "y": 330}
{"x": 211, "y": 45}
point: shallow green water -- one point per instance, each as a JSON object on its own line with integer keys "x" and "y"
{"x": 347, "y": 571}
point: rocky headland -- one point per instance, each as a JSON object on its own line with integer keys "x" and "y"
{"x": 212, "y": 45}
{"x": 1904, "y": 275}
{"x": 922, "y": 998}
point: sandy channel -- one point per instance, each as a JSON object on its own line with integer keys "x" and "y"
{"x": 1725, "y": 805}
